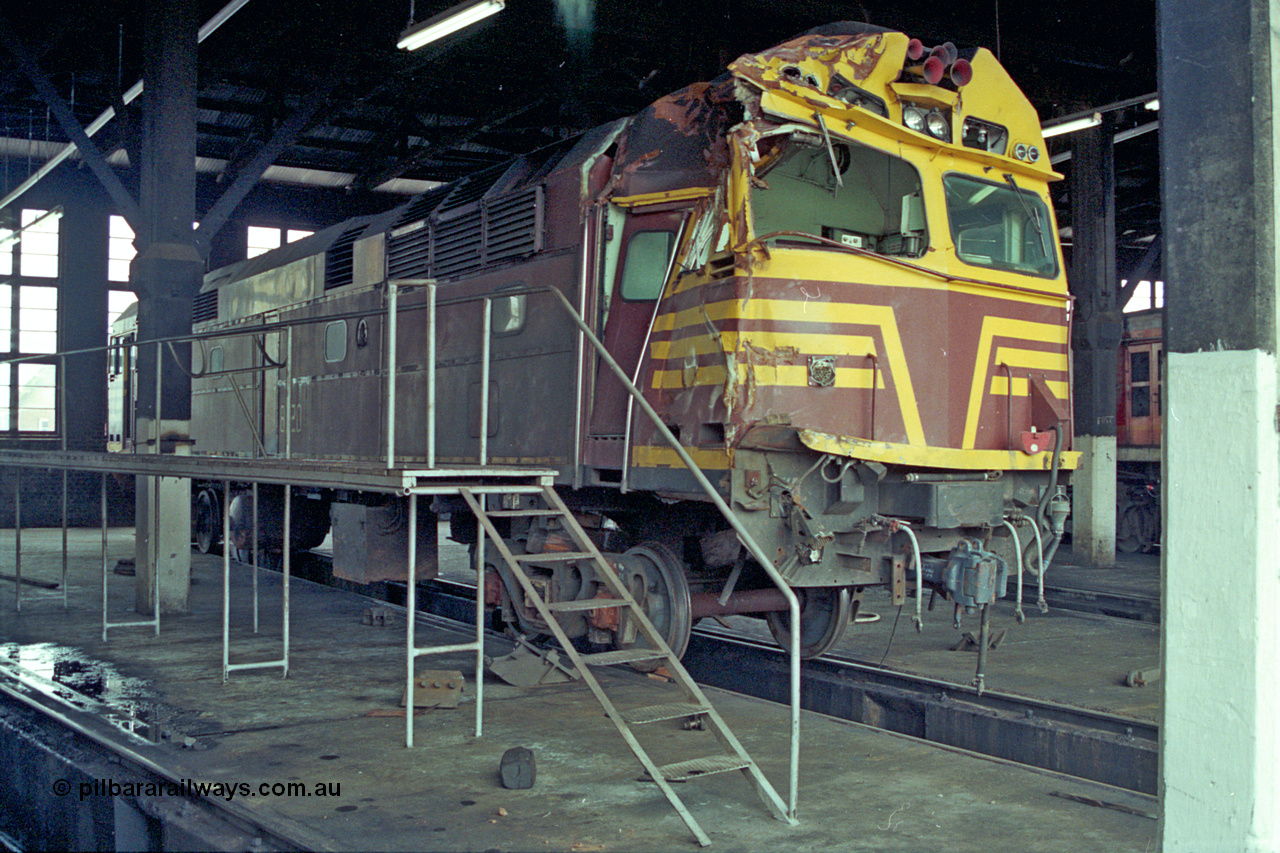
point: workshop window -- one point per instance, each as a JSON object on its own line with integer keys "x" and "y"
{"x": 28, "y": 326}
{"x": 120, "y": 250}
{"x": 38, "y": 245}
{"x": 32, "y": 250}
{"x": 1146, "y": 296}
{"x": 118, "y": 301}
{"x": 37, "y": 397}
{"x": 262, "y": 239}
{"x": 37, "y": 319}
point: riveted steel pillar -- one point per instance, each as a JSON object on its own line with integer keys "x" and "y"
{"x": 1096, "y": 338}
{"x": 1220, "y": 744}
{"x": 166, "y": 274}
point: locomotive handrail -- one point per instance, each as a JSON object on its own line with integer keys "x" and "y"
{"x": 793, "y": 603}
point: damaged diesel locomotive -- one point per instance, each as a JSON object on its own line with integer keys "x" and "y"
{"x": 833, "y": 272}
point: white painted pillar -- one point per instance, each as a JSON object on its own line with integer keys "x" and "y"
{"x": 1220, "y": 737}
{"x": 1093, "y": 501}
{"x": 162, "y": 539}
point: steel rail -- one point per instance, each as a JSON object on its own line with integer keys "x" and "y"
{"x": 1095, "y": 745}
{"x": 1119, "y": 605}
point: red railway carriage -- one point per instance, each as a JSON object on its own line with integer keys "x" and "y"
{"x": 1138, "y": 430}
{"x": 834, "y": 274}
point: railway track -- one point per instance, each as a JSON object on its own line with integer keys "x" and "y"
{"x": 1089, "y": 744}
{"x": 1120, "y": 605}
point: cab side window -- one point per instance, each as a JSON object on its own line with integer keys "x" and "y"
{"x": 645, "y": 265}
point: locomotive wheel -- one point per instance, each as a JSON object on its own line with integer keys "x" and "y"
{"x": 208, "y": 521}
{"x": 656, "y": 578}
{"x": 824, "y": 614}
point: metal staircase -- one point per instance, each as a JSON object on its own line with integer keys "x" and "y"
{"x": 733, "y": 757}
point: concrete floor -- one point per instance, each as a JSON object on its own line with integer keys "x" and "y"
{"x": 860, "y": 789}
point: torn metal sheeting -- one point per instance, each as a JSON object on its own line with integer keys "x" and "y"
{"x": 530, "y": 666}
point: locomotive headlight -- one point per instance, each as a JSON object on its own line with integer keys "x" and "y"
{"x": 938, "y": 126}
{"x": 914, "y": 118}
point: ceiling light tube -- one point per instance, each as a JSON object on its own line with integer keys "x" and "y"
{"x": 448, "y": 21}
{"x": 1071, "y": 126}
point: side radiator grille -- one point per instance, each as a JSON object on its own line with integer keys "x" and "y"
{"x": 491, "y": 232}
{"x": 339, "y": 260}
{"x": 205, "y": 307}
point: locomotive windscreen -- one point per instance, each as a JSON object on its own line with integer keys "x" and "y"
{"x": 863, "y": 208}
{"x": 997, "y": 226}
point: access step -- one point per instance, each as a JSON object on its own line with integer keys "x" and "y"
{"x": 584, "y": 604}
{"x": 657, "y": 713}
{"x": 622, "y": 656}
{"x": 695, "y": 767}
{"x": 522, "y": 513}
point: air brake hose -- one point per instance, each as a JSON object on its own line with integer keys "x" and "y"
{"x": 1042, "y": 510}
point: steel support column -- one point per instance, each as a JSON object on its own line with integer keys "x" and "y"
{"x": 1096, "y": 337}
{"x": 1220, "y": 761}
{"x": 167, "y": 274}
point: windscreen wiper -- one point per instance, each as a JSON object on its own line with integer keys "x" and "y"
{"x": 1032, "y": 214}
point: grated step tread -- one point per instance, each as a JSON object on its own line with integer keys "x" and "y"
{"x": 585, "y": 604}
{"x": 522, "y": 513}
{"x": 705, "y": 766}
{"x": 657, "y": 713}
{"x": 621, "y": 656}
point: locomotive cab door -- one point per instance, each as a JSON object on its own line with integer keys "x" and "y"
{"x": 638, "y": 250}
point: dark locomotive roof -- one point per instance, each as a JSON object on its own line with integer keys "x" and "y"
{"x": 504, "y": 190}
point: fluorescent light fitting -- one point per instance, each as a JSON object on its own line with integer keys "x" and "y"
{"x": 448, "y": 21}
{"x": 1153, "y": 104}
{"x": 1071, "y": 126}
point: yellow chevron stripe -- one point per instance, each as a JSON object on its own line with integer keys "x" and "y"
{"x": 782, "y": 375}
{"x": 1049, "y": 333}
{"x": 665, "y": 457}
{"x": 826, "y": 265}
{"x": 1022, "y": 386}
{"x": 1033, "y": 359}
{"x": 731, "y": 341}
{"x": 758, "y": 310}
{"x": 935, "y": 457}
{"x": 791, "y": 310}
